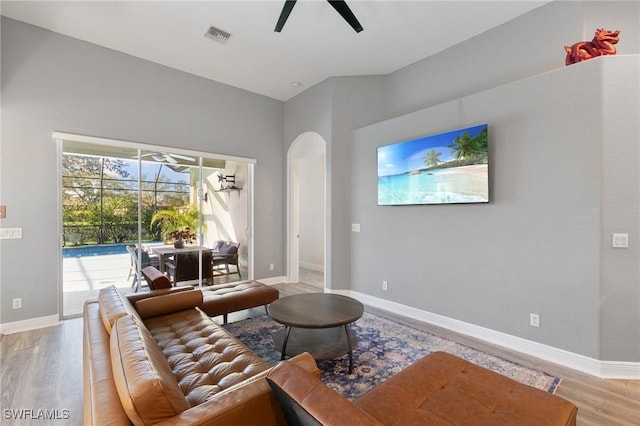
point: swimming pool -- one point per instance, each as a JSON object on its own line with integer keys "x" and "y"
{"x": 99, "y": 250}
{"x": 95, "y": 250}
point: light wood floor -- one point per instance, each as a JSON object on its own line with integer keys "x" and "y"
{"x": 42, "y": 369}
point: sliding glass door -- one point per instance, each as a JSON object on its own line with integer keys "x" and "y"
{"x": 125, "y": 206}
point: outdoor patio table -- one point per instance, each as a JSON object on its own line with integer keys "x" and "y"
{"x": 165, "y": 252}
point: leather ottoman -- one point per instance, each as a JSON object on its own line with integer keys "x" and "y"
{"x": 220, "y": 299}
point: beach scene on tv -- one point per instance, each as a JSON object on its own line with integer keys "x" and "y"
{"x": 447, "y": 168}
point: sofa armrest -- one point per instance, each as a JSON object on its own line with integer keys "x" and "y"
{"x": 134, "y": 297}
{"x": 304, "y": 399}
{"x": 155, "y": 279}
{"x": 247, "y": 403}
{"x": 101, "y": 404}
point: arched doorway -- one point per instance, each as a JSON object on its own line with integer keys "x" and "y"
{"x": 306, "y": 209}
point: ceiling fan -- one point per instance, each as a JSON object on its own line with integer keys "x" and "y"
{"x": 339, "y": 5}
{"x": 166, "y": 157}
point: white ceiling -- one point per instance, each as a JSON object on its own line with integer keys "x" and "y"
{"x": 316, "y": 43}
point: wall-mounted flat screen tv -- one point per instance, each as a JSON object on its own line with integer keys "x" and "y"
{"x": 447, "y": 168}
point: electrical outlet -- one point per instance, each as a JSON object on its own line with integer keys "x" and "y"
{"x": 17, "y": 303}
{"x": 620, "y": 241}
{"x": 355, "y": 227}
{"x": 534, "y": 320}
{"x": 271, "y": 266}
{"x": 384, "y": 285}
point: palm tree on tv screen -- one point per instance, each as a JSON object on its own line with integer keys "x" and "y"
{"x": 431, "y": 159}
{"x": 466, "y": 147}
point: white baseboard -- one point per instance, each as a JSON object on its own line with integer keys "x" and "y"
{"x": 30, "y": 324}
{"x": 592, "y": 366}
{"x": 311, "y": 266}
{"x": 620, "y": 370}
{"x": 273, "y": 280}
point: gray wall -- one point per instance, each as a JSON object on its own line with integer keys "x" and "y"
{"x": 52, "y": 82}
{"x": 620, "y": 285}
{"x": 543, "y": 244}
{"x": 528, "y": 46}
{"x": 524, "y": 47}
{"x": 333, "y": 109}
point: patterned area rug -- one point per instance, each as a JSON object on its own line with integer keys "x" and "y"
{"x": 384, "y": 348}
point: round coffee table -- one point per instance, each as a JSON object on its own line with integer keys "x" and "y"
{"x": 316, "y": 323}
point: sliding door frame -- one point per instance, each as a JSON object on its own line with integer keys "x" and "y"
{"x": 60, "y": 137}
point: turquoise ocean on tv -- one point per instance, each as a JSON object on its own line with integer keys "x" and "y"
{"x": 467, "y": 184}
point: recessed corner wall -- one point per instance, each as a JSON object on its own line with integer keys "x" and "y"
{"x": 538, "y": 246}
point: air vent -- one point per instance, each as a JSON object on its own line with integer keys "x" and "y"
{"x": 218, "y": 35}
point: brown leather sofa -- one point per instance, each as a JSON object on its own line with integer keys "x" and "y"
{"x": 155, "y": 358}
{"x": 440, "y": 389}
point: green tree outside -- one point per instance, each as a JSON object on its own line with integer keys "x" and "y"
{"x": 100, "y": 200}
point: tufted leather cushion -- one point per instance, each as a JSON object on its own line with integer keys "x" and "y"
{"x": 113, "y": 305}
{"x": 168, "y": 303}
{"x": 145, "y": 383}
{"x": 204, "y": 357}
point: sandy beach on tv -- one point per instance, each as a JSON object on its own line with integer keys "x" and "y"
{"x": 478, "y": 170}
{"x": 463, "y": 184}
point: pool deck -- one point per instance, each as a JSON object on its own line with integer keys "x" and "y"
{"x": 95, "y": 272}
{"x": 83, "y": 277}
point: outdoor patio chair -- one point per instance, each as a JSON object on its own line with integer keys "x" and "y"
{"x": 147, "y": 260}
{"x": 226, "y": 254}
{"x": 184, "y": 267}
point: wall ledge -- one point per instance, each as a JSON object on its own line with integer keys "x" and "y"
{"x": 29, "y": 324}
{"x": 588, "y": 365}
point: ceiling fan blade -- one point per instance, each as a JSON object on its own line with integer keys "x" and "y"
{"x": 284, "y": 15}
{"x": 341, "y": 7}
{"x": 156, "y": 156}
{"x": 169, "y": 159}
{"x": 182, "y": 157}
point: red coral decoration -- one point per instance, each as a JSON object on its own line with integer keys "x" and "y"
{"x": 602, "y": 44}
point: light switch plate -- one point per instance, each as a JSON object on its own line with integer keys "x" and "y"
{"x": 355, "y": 227}
{"x": 620, "y": 240}
{"x": 10, "y": 233}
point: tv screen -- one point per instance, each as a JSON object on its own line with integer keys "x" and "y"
{"x": 446, "y": 168}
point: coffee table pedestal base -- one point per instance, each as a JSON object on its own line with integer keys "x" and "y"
{"x": 321, "y": 343}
